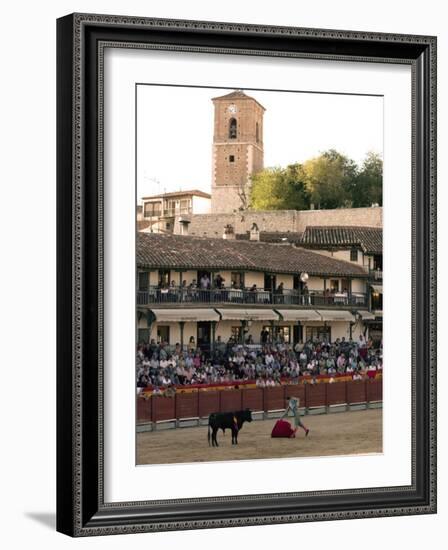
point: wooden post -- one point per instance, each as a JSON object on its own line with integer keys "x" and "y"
{"x": 212, "y": 348}
{"x": 181, "y": 326}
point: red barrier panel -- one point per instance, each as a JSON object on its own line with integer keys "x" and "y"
{"x": 337, "y": 393}
{"x": 208, "y": 402}
{"x": 187, "y": 405}
{"x": 231, "y": 400}
{"x": 374, "y": 389}
{"x": 252, "y": 399}
{"x": 274, "y": 398}
{"x": 163, "y": 408}
{"x": 144, "y": 410}
{"x": 356, "y": 391}
{"x": 295, "y": 390}
{"x": 315, "y": 395}
{"x": 202, "y": 403}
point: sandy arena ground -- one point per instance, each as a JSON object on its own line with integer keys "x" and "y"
{"x": 355, "y": 432}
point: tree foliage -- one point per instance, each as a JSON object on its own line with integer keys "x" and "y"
{"x": 330, "y": 180}
{"x": 279, "y": 189}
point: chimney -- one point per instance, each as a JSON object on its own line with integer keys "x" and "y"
{"x": 229, "y": 233}
{"x": 254, "y": 232}
{"x": 184, "y": 223}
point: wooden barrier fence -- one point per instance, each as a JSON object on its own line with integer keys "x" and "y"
{"x": 200, "y": 404}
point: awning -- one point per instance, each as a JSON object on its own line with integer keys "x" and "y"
{"x": 366, "y": 315}
{"x": 175, "y": 315}
{"x": 299, "y": 314}
{"x": 339, "y": 315}
{"x": 245, "y": 314}
{"x": 377, "y": 288}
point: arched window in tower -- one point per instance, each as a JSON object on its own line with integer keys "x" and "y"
{"x": 257, "y": 132}
{"x": 232, "y": 128}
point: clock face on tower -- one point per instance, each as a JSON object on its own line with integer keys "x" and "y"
{"x": 232, "y": 109}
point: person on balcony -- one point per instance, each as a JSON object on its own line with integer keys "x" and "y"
{"x": 219, "y": 281}
{"x": 306, "y": 295}
{"x": 192, "y": 291}
{"x": 279, "y": 298}
{"x": 252, "y": 296}
{"x": 205, "y": 282}
{"x": 183, "y": 291}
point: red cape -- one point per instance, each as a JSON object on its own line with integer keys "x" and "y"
{"x": 282, "y": 428}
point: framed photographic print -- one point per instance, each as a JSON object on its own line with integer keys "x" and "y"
{"x": 232, "y": 202}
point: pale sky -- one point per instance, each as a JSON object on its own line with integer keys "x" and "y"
{"x": 175, "y": 132}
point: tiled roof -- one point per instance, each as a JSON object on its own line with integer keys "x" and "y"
{"x": 369, "y": 239}
{"x": 195, "y": 192}
{"x": 155, "y": 250}
{"x": 236, "y": 94}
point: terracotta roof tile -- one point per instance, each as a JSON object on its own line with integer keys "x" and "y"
{"x": 156, "y": 250}
{"x": 369, "y": 239}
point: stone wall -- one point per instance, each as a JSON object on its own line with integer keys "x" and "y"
{"x": 366, "y": 217}
{"x": 212, "y": 225}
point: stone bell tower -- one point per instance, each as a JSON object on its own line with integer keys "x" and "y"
{"x": 237, "y": 150}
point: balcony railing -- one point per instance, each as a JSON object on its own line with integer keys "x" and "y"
{"x": 376, "y": 274}
{"x": 167, "y": 212}
{"x": 314, "y": 298}
{"x": 171, "y": 212}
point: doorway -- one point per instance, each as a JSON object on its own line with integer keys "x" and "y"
{"x": 270, "y": 282}
{"x": 204, "y": 335}
{"x": 163, "y": 334}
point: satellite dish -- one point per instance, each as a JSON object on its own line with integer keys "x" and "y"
{"x": 304, "y": 277}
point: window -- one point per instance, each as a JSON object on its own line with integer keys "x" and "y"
{"x": 334, "y": 285}
{"x": 152, "y": 209}
{"x": 377, "y": 301}
{"x": 231, "y": 158}
{"x": 281, "y": 334}
{"x": 237, "y": 279}
{"x": 378, "y": 262}
{"x": 270, "y": 282}
{"x": 232, "y": 128}
{"x": 143, "y": 280}
{"x": 163, "y": 334}
{"x": 185, "y": 206}
{"x": 170, "y": 208}
{"x": 354, "y": 255}
{"x": 257, "y": 138}
{"x": 236, "y": 333}
{"x": 164, "y": 277}
{"x": 345, "y": 285}
{"x": 318, "y": 333}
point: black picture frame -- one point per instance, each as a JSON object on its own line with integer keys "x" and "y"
{"x": 81, "y": 510}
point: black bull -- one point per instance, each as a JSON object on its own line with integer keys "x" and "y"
{"x": 232, "y": 420}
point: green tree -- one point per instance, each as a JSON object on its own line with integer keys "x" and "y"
{"x": 279, "y": 189}
{"x": 368, "y": 186}
{"x": 329, "y": 179}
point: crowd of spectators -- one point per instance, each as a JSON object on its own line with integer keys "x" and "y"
{"x": 162, "y": 366}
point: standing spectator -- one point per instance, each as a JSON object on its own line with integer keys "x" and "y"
{"x": 264, "y": 336}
